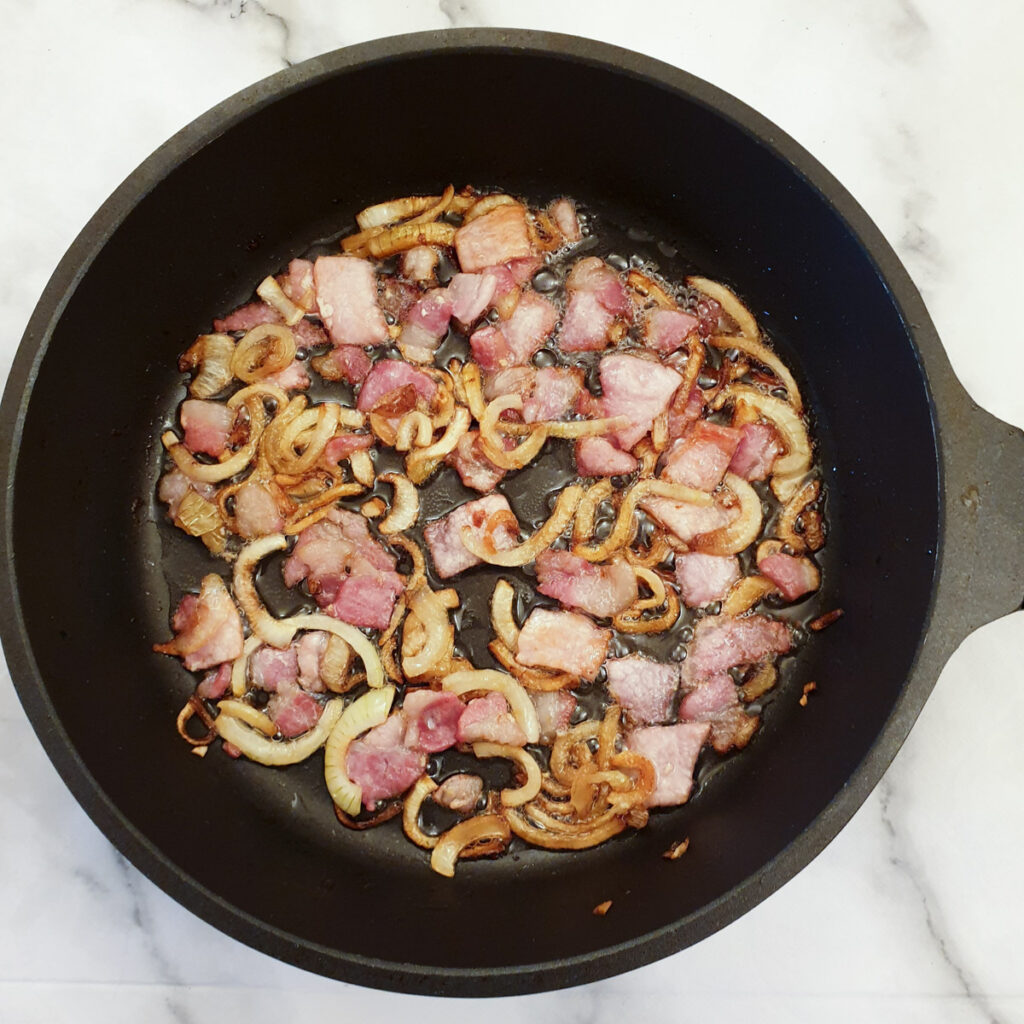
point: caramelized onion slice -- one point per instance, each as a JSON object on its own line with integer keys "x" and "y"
{"x": 258, "y": 747}
{"x": 745, "y": 593}
{"x": 730, "y": 304}
{"x": 766, "y": 357}
{"x": 262, "y": 351}
{"x": 502, "y": 619}
{"x": 539, "y": 828}
{"x": 363, "y": 713}
{"x": 248, "y": 714}
{"x": 276, "y": 632}
{"x": 439, "y": 634}
{"x": 488, "y": 679}
{"x": 524, "y": 760}
{"x": 381, "y": 214}
{"x": 422, "y": 788}
{"x": 741, "y": 532}
{"x": 270, "y": 292}
{"x": 408, "y": 236}
{"x": 492, "y": 443}
{"x": 405, "y": 509}
{"x": 791, "y": 512}
{"x": 210, "y": 354}
{"x": 489, "y": 831}
{"x": 422, "y": 462}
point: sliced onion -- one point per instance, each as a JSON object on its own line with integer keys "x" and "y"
{"x": 741, "y": 532}
{"x": 362, "y": 467}
{"x": 766, "y": 357}
{"x": 492, "y": 444}
{"x": 213, "y": 473}
{"x": 745, "y": 593}
{"x": 422, "y": 462}
{"x": 439, "y": 634}
{"x": 472, "y": 387}
{"x": 650, "y": 289}
{"x": 211, "y": 355}
{"x": 405, "y": 509}
{"x": 786, "y": 525}
{"x": 525, "y": 760}
{"x": 561, "y": 516}
{"x": 363, "y": 646}
{"x": 586, "y": 511}
{"x": 262, "y": 351}
{"x": 365, "y": 712}
{"x": 201, "y": 518}
{"x": 408, "y": 236}
{"x": 270, "y": 292}
{"x": 276, "y": 632}
{"x": 539, "y": 828}
{"x": 763, "y": 679}
{"x": 730, "y": 304}
{"x": 319, "y": 425}
{"x": 630, "y": 621}
{"x": 414, "y": 430}
{"x": 248, "y": 714}
{"x": 488, "y": 679}
{"x": 502, "y": 619}
{"x": 258, "y": 747}
{"x": 335, "y": 665}
{"x": 418, "y": 575}
{"x": 485, "y": 204}
{"x": 488, "y": 831}
{"x": 536, "y": 679}
{"x": 423, "y": 787}
{"x": 238, "y": 667}
{"x": 381, "y": 214}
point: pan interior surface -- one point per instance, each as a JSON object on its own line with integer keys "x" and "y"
{"x": 286, "y": 876}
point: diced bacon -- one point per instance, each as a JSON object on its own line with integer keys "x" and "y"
{"x": 471, "y": 294}
{"x": 419, "y": 263}
{"x": 496, "y": 237}
{"x": 346, "y": 292}
{"x": 705, "y": 578}
{"x": 555, "y": 391}
{"x": 685, "y": 409}
{"x": 310, "y": 335}
{"x": 597, "y": 456}
{"x": 529, "y": 327}
{"x": 673, "y": 750}
{"x": 246, "y": 317}
{"x": 554, "y": 712}
{"x": 292, "y": 378}
{"x": 701, "y": 458}
{"x": 346, "y": 362}
{"x": 667, "y": 329}
{"x": 563, "y": 213}
{"x": 207, "y": 426}
{"x": 516, "y": 380}
{"x": 432, "y": 720}
{"x": 687, "y": 521}
{"x": 564, "y": 641}
{"x": 432, "y": 313}
{"x": 215, "y": 684}
{"x": 309, "y": 653}
{"x": 504, "y": 282}
{"x": 460, "y": 793}
{"x": 298, "y": 285}
{"x": 389, "y": 375}
{"x": 491, "y": 350}
{"x": 207, "y": 627}
{"x": 488, "y": 719}
{"x": 721, "y": 642}
{"x": 396, "y": 297}
{"x": 637, "y": 388}
{"x": 381, "y": 765}
{"x": 471, "y": 463}
{"x": 709, "y": 699}
{"x": 444, "y": 536}
{"x": 524, "y": 268}
{"x": 270, "y": 668}
{"x": 595, "y": 276}
{"x": 341, "y": 446}
{"x": 601, "y": 590}
{"x": 597, "y": 297}
{"x": 175, "y": 485}
{"x": 757, "y": 451}
{"x": 793, "y": 576}
{"x": 256, "y": 511}
{"x": 351, "y": 576}
{"x": 644, "y": 688}
{"x": 293, "y": 711}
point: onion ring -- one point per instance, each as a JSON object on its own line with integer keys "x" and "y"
{"x": 524, "y": 760}
{"x": 488, "y": 832}
{"x": 259, "y": 748}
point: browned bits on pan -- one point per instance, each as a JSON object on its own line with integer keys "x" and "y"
{"x": 808, "y": 688}
{"x": 602, "y": 908}
{"x": 386, "y": 813}
{"x": 677, "y": 849}
{"x": 826, "y": 620}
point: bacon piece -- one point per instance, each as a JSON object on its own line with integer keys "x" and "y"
{"x": 432, "y": 720}
{"x": 667, "y": 329}
{"x": 419, "y": 263}
{"x": 637, "y": 388}
{"x": 793, "y": 576}
{"x": 432, "y": 313}
{"x": 471, "y": 463}
{"x": 563, "y": 213}
{"x": 524, "y": 268}
{"x": 310, "y": 335}
{"x": 673, "y": 750}
{"x": 298, "y": 285}
{"x": 397, "y": 297}
{"x": 491, "y": 350}
{"x": 270, "y": 667}
{"x": 292, "y": 378}
{"x": 564, "y": 641}
{"x": 460, "y": 793}
{"x": 246, "y": 317}
{"x": 489, "y": 719}
{"x": 346, "y": 362}
{"x": 644, "y": 688}
{"x": 687, "y": 521}
{"x": 597, "y": 456}
{"x": 757, "y": 451}
{"x": 496, "y": 237}
{"x": 175, "y": 485}
{"x": 471, "y": 294}
{"x": 444, "y": 536}
{"x": 309, "y": 654}
{"x": 207, "y": 627}
{"x": 346, "y": 292}
{"x": 389, "y": 375}
{"x": 554, "y": 712}
{"x": 529, "y": 326}
{"x": 381, "y": 765}
{"x": 716, "y": 701}
{"x": 597, "y": 297}
{"x": 601, "y": 590}
{"x": 256, "y": 511}
{"x": 516, "y": 380}
{"x": 701, "y": 458}
{"x": 555, "y": 392}
{"x": 215, "y": 684}
{"x": 351, "y": 576}
{"x": 705, "y": 578}
{"x": 207, "y": 426}
{"x": 341, "y": 446}
{"x": 685, "y": 409}
{"x": 292, "y": 710}
{"x": 721, "y": 643}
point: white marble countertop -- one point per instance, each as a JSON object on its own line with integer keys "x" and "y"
{"x": 917, "y": 106}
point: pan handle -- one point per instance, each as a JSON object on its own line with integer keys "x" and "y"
{"x": 983, "y": 560}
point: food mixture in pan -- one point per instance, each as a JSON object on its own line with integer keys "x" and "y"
{"x": 633, "y": 622}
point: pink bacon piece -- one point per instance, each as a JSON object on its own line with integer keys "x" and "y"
{"x": 389, "y": 375}
{"x": 496, "y": 237}
{"x": 207, "y": 627}
{"x": 563, "y": 641}
{"x": 668, "y": 329}
{"x": 555, "y": 392}
{"x": 755, "y": 455}
{"x": 432, "y": 720}
{"x": 701, "y": 458}
{"x": 471, "y": 463}
{"x": 705, "y": 578}
{"x": 600, "y": 590}
{"x": 292, "y": 710}
{"x": 346, "y": 292}
{"x": 597, "y": 297}
{"x": 380, "y": 763}
{"x": 644, "y": 688}
{"x": 638, "y": 389}
{"x": 597, "y": 456}
{"x": 673, "y": 750}
{"x": 444, "y": 536}
{"x": 794, "y": 577}
{"x": 207, "y": 426}
{"x": 488, "y": 719}
{"x": 721, "y": 642}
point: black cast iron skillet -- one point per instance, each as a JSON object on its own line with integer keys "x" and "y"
{"x": 925, "y": 498}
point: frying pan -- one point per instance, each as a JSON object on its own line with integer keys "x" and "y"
{"x": 925, "y": 498}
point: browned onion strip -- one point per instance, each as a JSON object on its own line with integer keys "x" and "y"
{"x": 650, "y": 289}
{"x": 270, "y": 292}
{"x": 539, "y": 828}
{"x": 436, "y": 209}
{"x": 537, "y": 679}
{"x": 412, "y": 549}
{"x": 408, "y": 236}
{"x": 414, "y": 430}
{"x": 194, "y": 706}
{"x": 763, "y": 679}
{"x": 405, "y": 509}
{"x": 213, "y": 473}
{"x": 210, "y": 354}
{"x": 583, "y": 526}
{"x": 730, "y": 304}
{"x": 745, "y": 593}
{"x": 362, "y": 466}
{"x": 561, "y": 516}
{"x": 607, "y": 734}
{"x": 569, "y": 429}
{"x": 488, "y": 833}
{"x": 655, "y": 555}
{"x": 571, "y": 751}
{"x": 631, "y": 622}
{"x": 625, "y": 524}
{"x": 786, "y": 525}
{"x": 487, "y": 203}
{"x": 473, "y": 390}
{"x": 502, "y": 619}
{"x": 422, "y": 462}
{"x": 312, "y": 511}
{"x": 374, "y": 508}
{"x": 492, "y": 443}
{"x": 741, "y": 532}
{"x": 525, "y": 761}
{"x": 335, "y": 665}
{"x": 423, "y": 787}
{"x": 381, "y": 214}
{"x": 272, "y": 631}
{"x": 388, "y": 642}
{"x": 766, "y": 357}
{"x": 247, "y": 713}
{"x": 439, "y": 634}
{"x": 587, "y": 787}
{"x": 261, "y": 390}
{"x": 262, "y": 351}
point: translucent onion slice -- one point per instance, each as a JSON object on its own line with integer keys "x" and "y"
{"x": 363, "y": 646}
{"x": 259, "y": 748}
{"x": 262, "y": 351}
{"x": 422, "y": 462}
{"x": 405, "y": 509}
{"x": 363, "y": 713}
{"x": 741, "y": 532}
{"x": 502, "y": 619}
{"x": 727, "y": 299}
{"x": 422, "y": 788}
{"x": 766, "y": 357}
{"x": 489, "y": 831}
{"x": 210, "y": 354}
{"x": 568, "y": 429}
{"x": 381, "y": 214}
{"x": 745, "y": 593}
{"x": 270, "y": 292}
{"x": 311, "y": 428}
{"x": 248, "y": 714}
{"x": 276, "y": 632}
{"x": 239, "y": 684}
{"x": 786, "y": 525}
{"x": 439, "y": 634}
{"x": 492, "y": 444}
{"x": 415, "y": 430}
{"x": 525, "y": 760}
{"x": 487, "y": 203}
{"x": 525, "y": 713}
